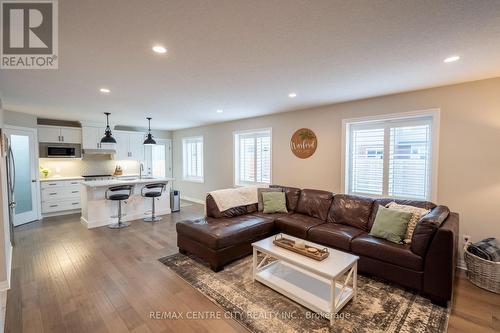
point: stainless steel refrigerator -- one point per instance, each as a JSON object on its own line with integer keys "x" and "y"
{"x": 11, "y": 184}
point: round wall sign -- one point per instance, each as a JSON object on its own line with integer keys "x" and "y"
{"x": 303, "y": 143}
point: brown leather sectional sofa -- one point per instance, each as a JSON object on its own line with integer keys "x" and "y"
{"x": 339, "y": 221}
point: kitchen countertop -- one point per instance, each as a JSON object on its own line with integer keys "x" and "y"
{"x": 52, "y": 179}
{"x": 114, "y": 182}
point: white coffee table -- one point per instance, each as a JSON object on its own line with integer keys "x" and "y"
{"x": 321, "y": 286}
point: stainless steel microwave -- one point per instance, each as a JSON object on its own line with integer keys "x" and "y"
{"x": 60, "y": 150}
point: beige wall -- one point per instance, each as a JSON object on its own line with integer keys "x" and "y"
{"x": 19, "y": 119}
{"x": 469, "y": 152}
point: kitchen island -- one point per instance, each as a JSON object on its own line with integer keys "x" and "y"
{"x": 97, "y": 211}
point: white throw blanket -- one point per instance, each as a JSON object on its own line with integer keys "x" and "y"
{"x": 235, "y": 197}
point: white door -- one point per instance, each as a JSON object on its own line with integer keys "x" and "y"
{"x": 49, "y": 134}
{"x": 22, "y": 143}
{"x": 159, "y": 159}
{"x": 71, "y": 135}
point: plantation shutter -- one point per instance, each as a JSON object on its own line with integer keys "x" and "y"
{"x": 193, "y": 158}
{"x": 253, "y": 152}
{"x": 247, "y": 159}
{"x": 367, "y": 161}
{"x": 409, "y": 161}
{"x": 390, "y": 158}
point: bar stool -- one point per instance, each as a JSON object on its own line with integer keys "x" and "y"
{"x": 152, "y": 191}
{"x": 119, "y": 193}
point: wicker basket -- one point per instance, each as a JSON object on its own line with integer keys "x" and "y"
{"x": 483, "y": 273}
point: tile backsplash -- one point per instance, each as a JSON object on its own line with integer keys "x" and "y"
{"x": 95, "y": 165}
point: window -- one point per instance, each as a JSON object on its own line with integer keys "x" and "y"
{"x": 192, "y": 159}
{"x": 252, "y": 151}
{"x": 394, "y": 157}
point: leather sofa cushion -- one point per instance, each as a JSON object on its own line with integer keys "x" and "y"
{"x": 385, "y": 201}
{"x": 272, "y": 216}
{"x": 213, "y": 210}
{"x": 220, "y": 233}
{"x": 377, "y": 248}
{"x": 351, "y": 210}
{"x": 315, "y": 203}
{"x": 297, "y": 224}
{"x": 292, "y": 196}
{"x": 426, "y": 228}
{"x": 334, "y": 235}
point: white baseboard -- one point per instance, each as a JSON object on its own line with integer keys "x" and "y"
{"x": 5, "y": 285}
{"x": 461, "y": 264}
{"x": 128, "y": 218}
{"x": 65, "y": 212}
{"x": 198, "y": 201}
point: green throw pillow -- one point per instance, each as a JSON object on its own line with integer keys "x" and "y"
{"x": 274, "y": 202}
{"x": 390, "y": 224}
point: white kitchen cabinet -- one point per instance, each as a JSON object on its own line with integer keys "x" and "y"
{"x": 71, "y": 135}
{"x": 91, "y": 138}
{"x": 129, "y": 145}
{"x": 137, "y": 146}
{"x": 60, "y": 196}
{"x": 49, "y": 134}
{"x": 122, "y": 145}
{"x": 55, "y": 134}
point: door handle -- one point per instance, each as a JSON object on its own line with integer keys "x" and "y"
{"x": 33, "y": 180}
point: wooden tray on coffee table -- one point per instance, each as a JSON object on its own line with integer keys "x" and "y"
{"x": 309, "y": 251}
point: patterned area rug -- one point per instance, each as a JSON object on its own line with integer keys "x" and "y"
{"x": 379, "y": 307}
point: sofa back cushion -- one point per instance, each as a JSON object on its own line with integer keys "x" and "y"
{"x": 426, "y": 228}
{"x": 292, "y": 196}
{"x": 351, "y": 210}
{"x": 385, "y": 201}
{"x": 213, "y": 211}
{"x": 314, "y": 203}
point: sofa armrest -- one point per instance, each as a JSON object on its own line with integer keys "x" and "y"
{"x": 426, "y": 228}
{"x": 213, "y": 211}
{"x": 441, "y": 260}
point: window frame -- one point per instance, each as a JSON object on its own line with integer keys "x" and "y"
{"x": 236, "y": 157}
{"x": 347, "y": 123}
{"x": 184, "y": 165}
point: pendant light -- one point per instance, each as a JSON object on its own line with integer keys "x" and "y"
{"x": 108, "y": 137}
{"x": 149, "y": 140}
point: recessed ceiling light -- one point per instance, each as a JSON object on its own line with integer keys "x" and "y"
{"x": 219, "y": 111}
{"x": 292, "y": 95}
{"x": 451, "y": 59}
{"x": 159, "y": 49}
{"x": 105, "y": 90}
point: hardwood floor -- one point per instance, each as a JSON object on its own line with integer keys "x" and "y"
{"x": 66, "y": 278}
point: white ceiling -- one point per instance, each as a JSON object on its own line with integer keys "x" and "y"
{"x": 245, "y": 56}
